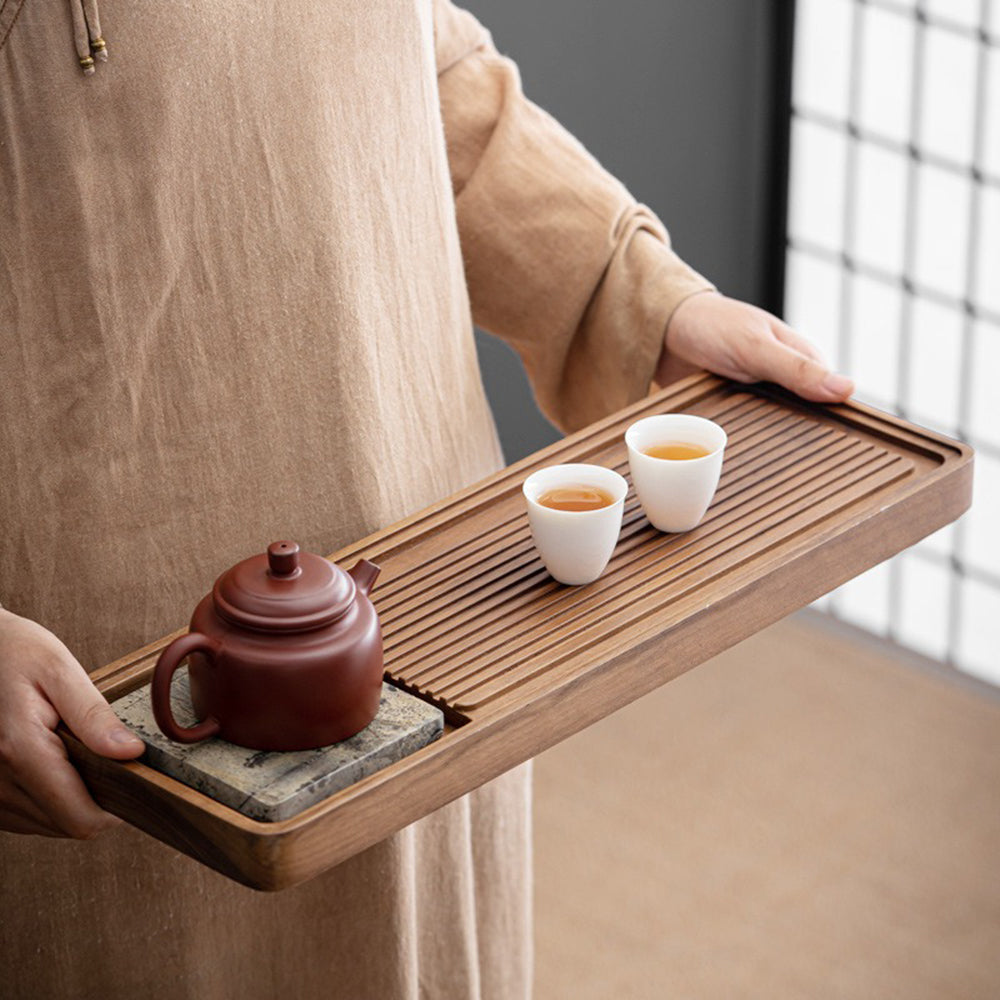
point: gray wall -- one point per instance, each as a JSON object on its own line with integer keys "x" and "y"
{"x": 672, "y": 97}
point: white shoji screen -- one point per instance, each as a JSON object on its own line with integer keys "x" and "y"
{"x": 893, "y": 268}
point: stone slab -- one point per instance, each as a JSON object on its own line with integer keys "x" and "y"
{"x": 272, "y": 786}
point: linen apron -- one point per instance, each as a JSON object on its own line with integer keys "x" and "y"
{"x": 236, "y": 261}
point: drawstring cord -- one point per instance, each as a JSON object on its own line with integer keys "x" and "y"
{"x": 90, "y": 46}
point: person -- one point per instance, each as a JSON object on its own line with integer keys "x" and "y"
{"x": 241, "y": 256}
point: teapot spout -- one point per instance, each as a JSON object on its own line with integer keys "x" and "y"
{"x": 365, "y": 573}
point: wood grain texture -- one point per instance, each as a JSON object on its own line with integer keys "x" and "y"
{"x": 810, "y": 497}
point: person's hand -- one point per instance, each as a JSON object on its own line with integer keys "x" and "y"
{"x": 41, "y": 682}
{"x": 744, "y": 343}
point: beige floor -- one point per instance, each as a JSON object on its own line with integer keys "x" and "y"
{"x": 800, "y": 817}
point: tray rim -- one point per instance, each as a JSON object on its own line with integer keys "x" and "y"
{"x": 266, "y": 850}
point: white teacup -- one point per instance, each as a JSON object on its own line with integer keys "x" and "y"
{"x": 575, "y": 545}
{"x": 675, "y": 493}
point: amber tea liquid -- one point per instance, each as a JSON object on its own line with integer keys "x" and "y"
{"x": 676, "y": 451}
{"x": 575, "y": 497}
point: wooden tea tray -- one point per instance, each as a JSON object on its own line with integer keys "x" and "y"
{"x": 810, "y": 496}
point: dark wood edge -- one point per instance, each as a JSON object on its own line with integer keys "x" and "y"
{"x": 895, "y": 430}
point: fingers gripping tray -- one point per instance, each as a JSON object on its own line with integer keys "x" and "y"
{"x": 810, "y": 496}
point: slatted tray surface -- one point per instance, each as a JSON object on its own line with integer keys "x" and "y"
{"x": 482, "y": 616}
{"x": 809, "y": 496}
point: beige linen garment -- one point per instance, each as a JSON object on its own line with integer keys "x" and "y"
{"x": 234, "y": 306}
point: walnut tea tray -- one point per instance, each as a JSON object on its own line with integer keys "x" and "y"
{"x": 810, "y": 496}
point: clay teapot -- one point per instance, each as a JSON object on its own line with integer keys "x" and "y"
{"x": 285, "y": 654}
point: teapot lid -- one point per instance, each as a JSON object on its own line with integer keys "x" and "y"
{"x": 284, "y": 590}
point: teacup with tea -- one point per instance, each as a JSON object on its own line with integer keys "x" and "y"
{"x": 675, "y": 460}
{"x": 575, "y": 514}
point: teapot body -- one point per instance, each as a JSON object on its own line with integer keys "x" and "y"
{"x": 288, "y": 690}
{"x": 285, "y": 653}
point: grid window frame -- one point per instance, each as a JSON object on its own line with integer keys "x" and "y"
{"x": 960, "y": 291}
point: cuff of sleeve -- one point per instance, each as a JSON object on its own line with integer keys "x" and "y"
{"x": 626, "y": 323}
{"x": 667, "y": 282}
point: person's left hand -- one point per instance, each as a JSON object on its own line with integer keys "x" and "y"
{"x": 745, "y": 343}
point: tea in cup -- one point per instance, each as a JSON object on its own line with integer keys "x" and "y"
{"x": 575, "y": 514}
{"x": 675, "y": 460}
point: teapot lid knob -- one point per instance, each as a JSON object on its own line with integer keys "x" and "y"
{"x": 283, "y": 559}
{"x": 285, "y": 589}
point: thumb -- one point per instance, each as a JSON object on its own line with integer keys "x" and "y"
{"x": 90, "y": 718}
{"x": 804, "y": 375}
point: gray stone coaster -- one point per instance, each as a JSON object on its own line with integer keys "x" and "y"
{"x": 272, "y": 786}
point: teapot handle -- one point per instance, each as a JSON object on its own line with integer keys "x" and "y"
{"x": 163, "y": 674}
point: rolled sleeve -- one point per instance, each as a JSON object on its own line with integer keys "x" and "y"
{"x": 561, "y": 261}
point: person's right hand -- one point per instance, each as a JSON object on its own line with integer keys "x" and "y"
{"x": 747, "y": 344}
{"x": 40, "y": 682}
